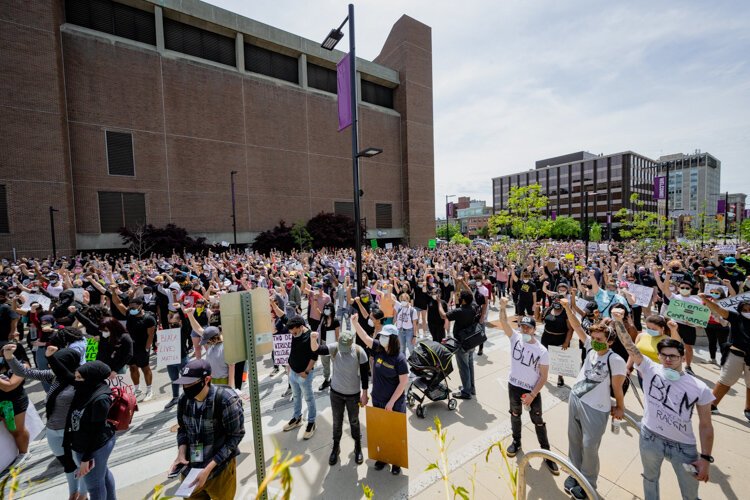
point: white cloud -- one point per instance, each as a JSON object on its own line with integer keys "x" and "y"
{"x": 518, "y": 81}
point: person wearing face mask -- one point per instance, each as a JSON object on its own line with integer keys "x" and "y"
{"x": 210, "y": 427}
{"x": 406, "y": 322}
{"x": 328, "y": 323}
{"x": 13, "y": 393}
{"x": 688, "y": 332}
{"x": 59, "y": 377}
{"x": 607, "y": 298}
{"x": 89, "y": 434}
{"x": 557, "y": 328}
{"x": 731, "y": 272}
{"x": 390, "y": 374}
{"x": 529, "y": 368}
{"x": 735, "y": 361}
{"x": 656, "y": 329}
{"x": 301, "y": 363}
{"x": 435, "y": 323}
{"x": 463, "y": 317}
{"x": 525, "y": 294}
{"x": 142, "y": 328}
{"x": 115, "y": 346}
{"x": 666, "y": 427}
{"x": 589, "y": 403}
{"x": 362, "y": 307}
{"x": 8, "y": 317}
{"x": 717, "y": 330}
{"x": 447, "y": 290}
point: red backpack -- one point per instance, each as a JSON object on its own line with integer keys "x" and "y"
{"x": 122, "y": 408}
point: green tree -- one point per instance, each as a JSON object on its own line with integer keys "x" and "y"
{"x": 595, "y": 232}
{"x": 565, "y": 228}
{"x": 745, "y": 230}
{"x": 453, "y": 228}
{"x": 640, "y": 224}
{"x": 484, "y": 232}
{"x": 301, "y": 235}
{"x": 525, "y": 215}
{"x": 460, "y": 239}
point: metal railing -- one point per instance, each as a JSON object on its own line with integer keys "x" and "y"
{"x": 633, "y": 422}
{"x": 562, "y": 462}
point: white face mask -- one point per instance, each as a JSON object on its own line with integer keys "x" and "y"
{"x": 671, "y": 374}
{"x": 384, "y": 339}
{"x": 684, "y": 293}
{"x": 371, "y": 323}
{"x": 105, "y": 335}
{"x": 526, "y": 337}
{"x": 147, "y": 297}
{"x": 327, "y": 312}
{"x": 746, "y": 315}
{"x": 404, "y": 303}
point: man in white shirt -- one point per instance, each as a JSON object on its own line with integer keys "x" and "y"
{"x": 670, "y": 396}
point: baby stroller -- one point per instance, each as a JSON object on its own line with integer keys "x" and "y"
{"x": 431, "y": 362}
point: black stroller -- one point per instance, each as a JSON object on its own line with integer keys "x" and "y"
{"x": 431, "y": 362}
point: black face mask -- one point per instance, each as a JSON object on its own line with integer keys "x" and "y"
{"x": 193, "y": 390}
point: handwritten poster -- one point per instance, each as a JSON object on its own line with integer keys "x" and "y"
{"x": 642, "y": 294}
{"x": 169, "y": 348}
{"x": 282, "y": 347}
{"x": 92, "y": 349}
{"x": 566, "y": 363}
{"x": 689, "y": 312}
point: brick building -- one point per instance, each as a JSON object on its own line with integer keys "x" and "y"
{"x": 122, "y": 112}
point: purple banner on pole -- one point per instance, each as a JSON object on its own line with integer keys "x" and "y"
{"x": 344, "y": 88}
{"x": 609, "y": 218}
{"x": 553, "y": 214}
{"x": 449, "y": 210}
{"x": 660, "y": 188}
{"x": 746, "y": 214}
{"x": 721, "y": 206}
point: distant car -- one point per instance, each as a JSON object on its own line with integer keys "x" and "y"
{"x": 480, "y": 242}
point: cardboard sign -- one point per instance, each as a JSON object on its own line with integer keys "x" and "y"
{"x": 233, "y": 327}
{"x": 581, "y": 303}
{"x": 122, "y": 381}
{"x": 8, "y": 450}
{"x": 726, "y": 249}
{"x": 642, "y": 294}
{"x": 92, "y": 349}
{"x": 689, "y": 312}
{"x": 432, "y": 244}
{"x": 716, "y": 286}
{"x": 388, "y": 246}
{"x": 386, "y": 436}
{"x": 282, "y": 347}
{"x": 374, "y": 243}
{"x": 730, "y": 303}
{"x": 604, "y": 247}
{"x": 593, "y": 247}
{"x": 169, "y": 348}
{"x": 29, "y": 298}
{"x": 566, "y": 363}
{"x": 78, "y": 292}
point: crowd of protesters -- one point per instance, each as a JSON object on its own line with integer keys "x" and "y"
{"x": 364, "y": 330}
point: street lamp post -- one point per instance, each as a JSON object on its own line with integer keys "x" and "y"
{"x": 586, "y": 221}
{"x": 234, "y": 213}
{"x": 329, "y": 43}
{"x": 52, "y": 230}
{"x": 726, "y": 216}
{"x": 447, "y": 223}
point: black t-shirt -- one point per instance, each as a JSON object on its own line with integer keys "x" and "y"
{"x": 138, "y": 328}
{"x": 433, "y": 312}
{"x": 115, "y": 311}
{"x": 446, "y": 291}
{"x": 525, "y": 291}
{"x": 479, "y": 299}
{"x": 19, "y": 392}
{"x": 7, "y": 315}
{"x": 301, "y": 353}
{"x": 740, "y": 336}
{"x": 325, "y": 328}
{"x": 463, "y": 317}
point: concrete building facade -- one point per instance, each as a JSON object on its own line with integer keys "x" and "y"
{"x": 137, "y": 111}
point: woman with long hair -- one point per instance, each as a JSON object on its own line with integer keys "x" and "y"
{"x": 115, "y": 345}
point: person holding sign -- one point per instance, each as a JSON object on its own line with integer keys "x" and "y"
{"x": 687, "y": 331}
{"x": 14, "y": 402}
{"x": 350, "y": 372}
{"x": 671, "y": 396}
{"x": 301, "y": 363}
{"x": 529, "y": 367}
{"x": 589, "y": 403}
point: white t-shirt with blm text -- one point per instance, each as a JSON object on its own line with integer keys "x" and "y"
{"x": 670, "y": 405}
{"x": 524, "y": 362}
{"x": 593, "y": 383}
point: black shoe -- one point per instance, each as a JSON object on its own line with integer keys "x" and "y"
{"x": 553, "y": 468}
{"x": 512, "y": 450}
{"x": 326, "y": 383}
{"x": 747, "y": 414}
{"x": 569, "y": 484}
{"x": 395, "y": 470}
{"x": 287, "y": 393}
{"x": 461, "y": 395}
{"x": 275, "y": 370}
{"x": 560, "y": 382}
{"x": 715, "y": 410}
{"x": 480, "y": 352}
{"x": 358, "y": 457}
{"x": 171, "y": 403}
{"x": 379, "y": 465}
{"x": 578, "y": 493}
{"x": 689, "y": 370}
{"x": 334, "y": 455}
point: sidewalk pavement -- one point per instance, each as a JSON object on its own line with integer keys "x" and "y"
{"x": 143, "y": 454}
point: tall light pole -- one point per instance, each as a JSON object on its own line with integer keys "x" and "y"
{"x": 329, "y": 43}
{"x": 667, "y": 229}
{"x": 447, "y": 222}
{"x": 234, "y": 213}
{"x": 726, "y": 216}
{"x": 586, "y": 222}
{"x": 52, "y": 230}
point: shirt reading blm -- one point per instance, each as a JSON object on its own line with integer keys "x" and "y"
{"x": 525, "y": 361}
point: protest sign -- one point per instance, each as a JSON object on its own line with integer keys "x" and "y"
{"x": 29, "y": 298}
{"x": 604, "y": 247}
{"x": 78, "y": 292}
{"x": 642, "y": 294}
{"x": 282, "y": 347}
{"x": 716, "y": 286}
{"x": 593, "y": 247}
{"x": 730, "y": 303}
{"x": 92, "y": 349}
{"x": 688, "y": 312}
{"x": 566, "y": 363}
{"x": 123, "y": 381}
{"x": 726, "y": 249}
{"x": 386, "y": 436}
{"x": 8, "y": 449}
{"x": 388, "y": 246}
{"x": 581, "y": 303}
{"x": 169, "y": 348}
{"x": 432, "y": 244}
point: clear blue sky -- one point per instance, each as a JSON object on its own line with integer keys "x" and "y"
{"x": 516, "y": 81}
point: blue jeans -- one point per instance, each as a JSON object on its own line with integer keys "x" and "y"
{"x": 174, "y": 374}
{"x": 343, "y": 313}
{"x": 55, "y": 442}
{"x": 100, "y": 481}
{"x": 42, "y": 364}
{"x": 654, "y": 449}
{"x": 405, "y": 337}
{"x": 299, "y": 386}
{"x": 465, "y": 362}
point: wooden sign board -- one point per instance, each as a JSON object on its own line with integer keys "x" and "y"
{"x": 386, "y": 436}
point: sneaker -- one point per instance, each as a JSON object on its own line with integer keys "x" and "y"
{"x": 395, "y": 470}
{"x": 137, "y": 393}
{"x": 149, "y": 396}
{"x": 713, "y": 361}
{"x": 171, "y": 403}
{"x": 512, "y": 450}
{"x": 275, "y": 370}
{"x": 560, "y": 382}
{"x": 379, "y": 465}
{"x": 309, "y": 430}
{"x": 747, "y": 414}
{"x": 553, "y": 468}
{"x": 689, "y": 370}
{"x": 569, "y": 484}
{"x": 578, "y": 493}
{"x": 293, "y": 424}
{"x": 326, "y": 383}
{"x": 20, "y": 460}
{"x": 715, "y": 410}
{"x": 287, "y": 393}
{"x": 461, "y": 395}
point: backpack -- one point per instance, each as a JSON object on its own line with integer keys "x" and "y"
{"x": 625, "y": 384}
{"x": 121, "y": 409}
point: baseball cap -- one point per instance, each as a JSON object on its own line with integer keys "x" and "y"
{"x": 208, "y": 333}
{"x": 529, "y": 321}
{"x": 730, "y": 260}
{"x": 194, "y": 371}
{"x": 346, "y": 339}
{"x": 389, "y": 330}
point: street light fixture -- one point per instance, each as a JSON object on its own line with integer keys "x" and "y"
{"x": 369, "y": 152}
{"x": 234, "y": 213}
{"x": 447, "y": 224}
{"x": 52, "y": 230}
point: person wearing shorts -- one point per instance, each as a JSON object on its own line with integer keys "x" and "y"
{"x": 13, "y": 392}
